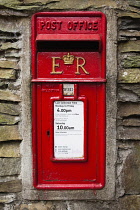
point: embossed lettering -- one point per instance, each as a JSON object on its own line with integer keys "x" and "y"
{"x": 42, "y": 24}
{"x": 81, "y": 65}
{"x": 50, "y": 25}
{"x": 54, "y": 65}
{"x": 81, "y": 23}
{"x": 70, "y": 25}
{"x": 85, "y": 25}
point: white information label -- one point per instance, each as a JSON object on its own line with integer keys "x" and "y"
{"x": 68, "y": 129}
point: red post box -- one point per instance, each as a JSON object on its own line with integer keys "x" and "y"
{"x": 68, "y": 100}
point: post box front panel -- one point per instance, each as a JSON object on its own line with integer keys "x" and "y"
{"x": 61, "y": 167}
{"x": 68, "y": 76}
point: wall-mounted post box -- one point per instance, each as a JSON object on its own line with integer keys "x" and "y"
{"x": 68, "y": 100}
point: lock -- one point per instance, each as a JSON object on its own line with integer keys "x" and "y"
{"x": 68, "y": 100}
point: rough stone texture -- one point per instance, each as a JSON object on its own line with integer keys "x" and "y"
{"x": 10, "y": 149}
{"x": 131, "y": 133}
{"x": 9, "y": 133}
{"x": 131, "y": 171}
{"x": 129, "y": 202}
{"x": 9, "y": 45}
{"x": 1, "y": 206}
{"x": 7, "y": 74}
{"x": 10, "y": 109}
{"x": 55, "y": 205}
{"x": 128, "y": 109}
{"x": 42, "y": 206}
{"x": 125, "y": 35}
{"x": 8, "y": 120}
{"x": 135, "y": 3}
{"x": 11, "y": 186}
{"x": 7, "y": 64}
{"x": 38, "y": 1}
{"x": 131, "y": 62}
{"x": 128, "y": 23}
{"x": 7, "y": 198}
{"x": 9, "y": 166}
{"x": 6, "y": 95}
{"x": 127, "y": 15}
{"x": 29, "y": 5}
{"x": 130, "y": 46}
{"x": 129, "y": 93}
{"x": 129, "y": 76}
{"x": 131, "y": 122}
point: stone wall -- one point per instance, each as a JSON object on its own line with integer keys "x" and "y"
{"x": 15, "y": 16}
{"x": 128, "y": 118}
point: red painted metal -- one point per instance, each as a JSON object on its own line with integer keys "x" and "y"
{"x": 56, "y": 36}
{"x": 69, "y": 37}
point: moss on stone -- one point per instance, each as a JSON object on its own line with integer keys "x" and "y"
{"x": 8, "y": 96}
{"x": 131, "y": 62}
{"x": 10, "y": 149}
{"x": 8, "y": 120}
{"x": 7, "y": 64}
{"x": 7, "y": 74}
{"x": 129, "y": 76}
{"x": 10, "y": 109}
{"x": 130, "y": 46}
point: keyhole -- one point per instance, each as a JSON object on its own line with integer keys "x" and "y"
{"x": 48, "y": 133}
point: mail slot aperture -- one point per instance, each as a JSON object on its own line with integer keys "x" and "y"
{"x": 68, "y": 100}
{"x": 67, "y": 46}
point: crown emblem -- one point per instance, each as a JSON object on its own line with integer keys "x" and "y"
{"x": 68, "y": 59}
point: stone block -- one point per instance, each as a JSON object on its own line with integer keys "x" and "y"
{"x": 6, "y": 64}
{"x": 8, "y": 133}
{"x": 8, "y": 119}
{"x": 9, "y": 166}
{"x": 7, "y": 198}
{"x": 131, "y": 202}
{"x": 68, "y": 205}
{"x": 9, "y": 45}
{"x": 82, "y": 5}
{"x": 128, "y": 133}
{"x": 131, "y": 122}
{"x": 11, "y": 186}
{"x": 128, "y": 109}
{"x": 7, "y": 74}
{"x": 38, "y": 1}
{"x": 135, "y": 3}
{"x": 13, "y": 53}
{"x": 130, "y": 46}
{"x": 129, "y": 92}
{"x": 128, "y": 23}
{"x": 125, "y": 35}
{"x": 10, "y": 109}
{"x": 129, "y": 76}
{"x": 125, "y": 14}
{"x": 41, "y": 206}
{"x": 42, "y": 4}
{"x": 131, "y": 171}
{"x": 1, "y": 206}
{"x": 6, "y": 95}
{"x": 131, "y": 62}
{"x": 10, "y": 149}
